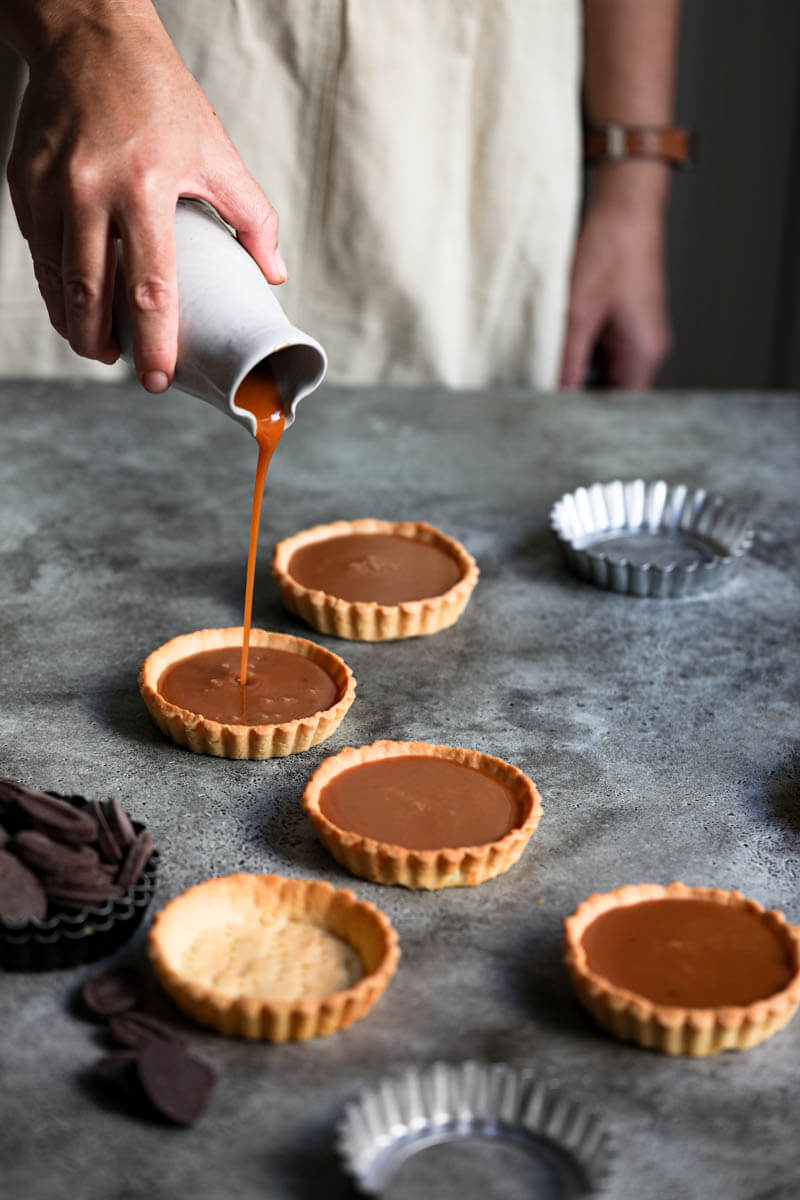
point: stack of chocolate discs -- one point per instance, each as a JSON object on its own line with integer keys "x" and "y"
{"x": 151, "y": 1063}
{"x": 76, "y": 877}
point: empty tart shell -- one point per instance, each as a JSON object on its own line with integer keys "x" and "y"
{"x": 233, "y": 904}
{"x": 203, "y": 735}
{"x": 369, "y": 621}
{"x": 673, "y": 1029}
{"x": 388, "y": 863}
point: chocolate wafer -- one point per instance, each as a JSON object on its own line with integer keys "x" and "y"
{"x": 119, "y": 823}
{"x": 114, "y": 991}
{"x": 135, "y": 1029}
{"x": 177, "y": 1085}
{"x": 109, "y": 846}
{"x": 57, "y": 818}
{"x": 78, "y": 894}
{"x": 136, "y": 859}
{"x": 42, "y": 853}
{"x": 22, "y": 897}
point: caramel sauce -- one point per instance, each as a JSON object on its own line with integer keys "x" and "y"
{"x": 421, "y": 803}
{"x": 375, "y": 567}
{"x": 258, "y": 393}
{"x": 690, "y": 953}
{"x": 280, "y": 687}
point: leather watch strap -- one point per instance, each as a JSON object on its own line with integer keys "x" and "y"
{"x": 618, "y": 143}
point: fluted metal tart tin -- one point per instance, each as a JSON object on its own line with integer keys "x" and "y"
{"x": 651, "y": 538}
{"x": 558, "y": 1150}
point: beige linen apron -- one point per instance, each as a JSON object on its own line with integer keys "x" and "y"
{"x": 423, "y": 156}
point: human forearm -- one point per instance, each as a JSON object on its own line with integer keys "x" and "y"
{"x": 34, "y": 27}
{"x": 629, "y": 79}
{"x": 617, "y": 301}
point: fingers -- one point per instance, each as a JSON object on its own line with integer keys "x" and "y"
{"x": 74, "y": 265}
{"x": 635, "y": 352}
{"x": 46, "y": 252}
{"x": 148, "y": 252}
{"x": 249, "y": 212}
{"x": 584, "y": 321}
{"x": 88, "y": 269}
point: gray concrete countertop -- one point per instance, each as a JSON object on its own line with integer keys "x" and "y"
{"x": 662, "y": 735}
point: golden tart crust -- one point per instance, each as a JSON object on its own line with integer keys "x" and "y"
{"x": 699, "y": 1032}
{"x": 230, "y": 905}
{"x": 203, "y": 735}
{"x": 458, "y": 866}
{"x": 368, "y": 621}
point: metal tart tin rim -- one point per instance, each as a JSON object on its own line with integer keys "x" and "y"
{"x": 651, "y": 506}
{"x": 77, "y": 936}
{"x": 468, "y": 1099}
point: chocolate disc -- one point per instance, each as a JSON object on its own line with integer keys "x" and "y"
{"x": 109, "y": 847}
{"x": 136, "y": 859}
{"x": 119, "y": 823}
{"x": 56, "y": 817}
{"x": 42, "y": 853}
{"x": 22, "y": 896}
{"x": 135, "y": 1029}
{"x": 176, "y": 1084}
{"x": 72, "y": 893}
{"x": 113, "y": 991}
{"x": 10, "y": 790}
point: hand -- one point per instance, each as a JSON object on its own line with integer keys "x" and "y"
{"x": 113, "y": 128}
{"x": 617, "y": 304}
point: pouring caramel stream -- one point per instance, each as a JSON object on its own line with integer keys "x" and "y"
{"x": 259, "y": 394}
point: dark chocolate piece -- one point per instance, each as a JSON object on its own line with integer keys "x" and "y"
{"x": 109, "y": 848}
{"x": 9, "y": 791}
{"x": 4, "y": 836}
{"x": 114, "y": 991}
{"x": 42, "y": 853}
{"x": 136, "y": 1029}
{"x": 76, "y": 893}
{"x": 177, "y": 1085}
{"x": 119, "y": 823}
{"x": 136, "y": 859}
{"x": 57, "y": 818}
{"x": 22, "y": 896}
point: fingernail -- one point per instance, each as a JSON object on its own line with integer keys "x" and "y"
{"x": 155, "y": 381}
{"x": 280, "y": 264}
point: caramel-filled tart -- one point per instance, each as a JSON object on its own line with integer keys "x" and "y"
{"x": 722, "y": 1013}
{"x": 320, "y": 605}
{"x": 205, "y": 735}
{"x": 253, "y": 956}
{"x": 454, "y": 855}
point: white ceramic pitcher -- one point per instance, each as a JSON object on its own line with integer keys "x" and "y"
{"x": 229, "y": 320}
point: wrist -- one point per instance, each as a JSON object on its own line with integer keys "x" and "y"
{"x": 35, "y": 27}
{"x": 635, "y": 188}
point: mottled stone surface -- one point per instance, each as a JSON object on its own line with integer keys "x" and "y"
{"x": 662, "y": 734}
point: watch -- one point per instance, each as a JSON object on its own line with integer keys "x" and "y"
{"x": 615, "y": 142}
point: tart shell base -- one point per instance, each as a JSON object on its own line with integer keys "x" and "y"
{"x": 356, "y": 922}
{"x": 697, "y": 1032}
{"x": 367, "y": 621}
{"x": 432, "y": 870}
{"x": 202, "y": 735}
